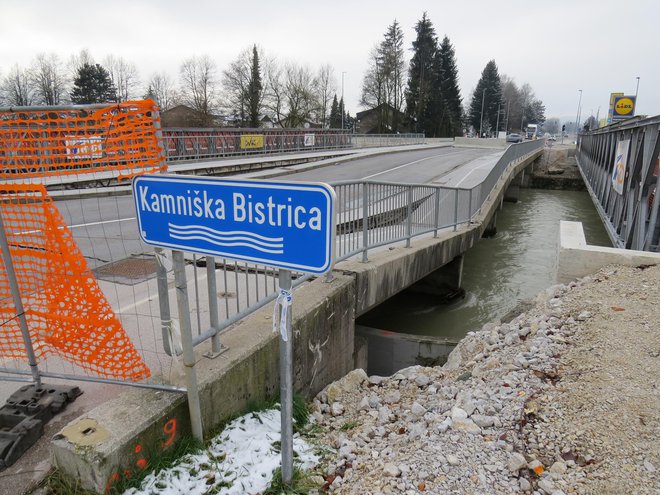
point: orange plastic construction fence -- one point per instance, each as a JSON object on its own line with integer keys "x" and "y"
{"x": 51, "y": 142}
{"x": 67, "y": 313}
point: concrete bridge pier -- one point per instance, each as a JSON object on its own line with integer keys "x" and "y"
{"x": 445, "y": 282}
{"x": 491, "y": 226}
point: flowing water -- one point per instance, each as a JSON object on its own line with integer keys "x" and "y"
{"x": 516, "y": 264}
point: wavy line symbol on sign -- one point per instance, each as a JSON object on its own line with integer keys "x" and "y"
{"x": 273, "y": 245}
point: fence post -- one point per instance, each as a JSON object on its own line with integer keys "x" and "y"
{"x": 365, "y": 221}
{"x": 455, "y": 209}
{"x": 437, "y": 211}
{"x": 409, "y": 220}
{"x": 216, "y": 347}
{"x": 470, "y": 206}
{"x": 18, "y": 304}
{"x": 181, "y": 287}
{"x": 164, "y": 301}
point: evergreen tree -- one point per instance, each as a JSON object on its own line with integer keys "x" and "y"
{"x": 420, "y": 76}
{"x": 254, "y": 90}
{"x": 450, "y": 119}
{"x": 92, "y": 84}
{"x": 489, "y": 92}
{"x": 335, "y": 116}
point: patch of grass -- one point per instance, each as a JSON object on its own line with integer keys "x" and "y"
{"x": 349, "y": 425}
{"x": 301, "y": 484}
{"x": 57, "y": 483}
{"x": 300, "y": 413}
{"x": 158, "y": 460}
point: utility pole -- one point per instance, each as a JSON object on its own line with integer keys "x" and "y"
{"x": 497, "y": 126}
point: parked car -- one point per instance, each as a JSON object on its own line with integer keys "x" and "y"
{"x": 514, "y": 138}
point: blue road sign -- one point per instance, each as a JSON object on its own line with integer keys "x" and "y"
{"x": 284, "y": 224}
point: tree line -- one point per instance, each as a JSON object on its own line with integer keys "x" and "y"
{"x": 421, "y": 94}
{"x": 252, "y": 85}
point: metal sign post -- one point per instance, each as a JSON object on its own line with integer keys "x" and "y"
{"x": 286, "y": 375}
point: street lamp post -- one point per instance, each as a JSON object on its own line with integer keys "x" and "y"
{"x": 577, "y": 117}
{"x": 343, "y": 104}
{"x": 636, "y": 90}
{"x": 481, "y": 125}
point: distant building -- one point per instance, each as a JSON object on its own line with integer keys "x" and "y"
{"x": 383, "y": 119}
{"x": 184, "y": 116}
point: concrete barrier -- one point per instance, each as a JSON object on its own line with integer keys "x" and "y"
{"x": 578, "y": 259}
{"x": 461, "y": 142}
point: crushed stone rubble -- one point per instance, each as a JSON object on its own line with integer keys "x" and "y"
{"x": 560, "y": 400}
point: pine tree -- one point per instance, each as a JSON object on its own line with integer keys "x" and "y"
{"x": 335, "y": 117}
{"x": 489, "y": 92}
{"x": 92, "y": 84}
{"x": 420, "y": 76}
{"x": 254, "y": 90}
{"x": 450, "y": 122}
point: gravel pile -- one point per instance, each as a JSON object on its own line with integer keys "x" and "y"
{"x": 562, "y": 399}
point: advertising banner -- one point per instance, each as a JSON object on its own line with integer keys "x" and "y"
{"x": 624, "y": 107}
{"x": 620, "y": 162}
{"x": 252, "y": 141}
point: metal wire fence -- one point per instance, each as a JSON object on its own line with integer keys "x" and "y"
{"x": 196, "y": 144}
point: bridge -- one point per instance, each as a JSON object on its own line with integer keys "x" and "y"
{"x": 390, "y": 236}
{"x": 619, "y": 165}
{"x": 402, "y": 218}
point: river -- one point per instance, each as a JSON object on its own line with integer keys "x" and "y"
{"x": 499, "y": 272}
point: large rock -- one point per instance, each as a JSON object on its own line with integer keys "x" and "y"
{"x": 348, "y": 383}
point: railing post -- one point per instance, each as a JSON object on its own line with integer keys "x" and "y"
{"x": 18, "y": 304}
{"x": 409, "y": 221}
{"x": 455, "y": 209}
{"x": 437, "y": 211}
{"x": 181, "y": 287}
{"x": 470, "y": 207}
{"x": 164, "y": 301}
{"x": 214, "y": 318}
{"x": 365, "y": 221}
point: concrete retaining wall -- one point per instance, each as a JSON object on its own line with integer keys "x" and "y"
{"x": 578, "y": 259}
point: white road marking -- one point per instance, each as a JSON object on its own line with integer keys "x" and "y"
{"x": 396, "y": 168}
{"x": 468, "y": 174}
{"x": 90, "y": 224}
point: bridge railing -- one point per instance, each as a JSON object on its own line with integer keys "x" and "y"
{"x": 619, "y": 165}
{"x": 198, "y": 144}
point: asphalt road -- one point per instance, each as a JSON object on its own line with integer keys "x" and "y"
{"x": 106, "y": 230}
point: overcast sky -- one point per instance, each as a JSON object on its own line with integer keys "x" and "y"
{"x": 557, "y": 46}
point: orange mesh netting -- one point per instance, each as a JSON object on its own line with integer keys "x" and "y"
{"x": 43, "y": 143}
{"x": 66, "y": 311}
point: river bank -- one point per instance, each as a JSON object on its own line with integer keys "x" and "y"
{"x": 562, "y": 399}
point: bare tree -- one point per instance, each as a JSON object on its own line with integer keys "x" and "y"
{"x": 273, "y": 99}
{"x": 48, "y": 78}
{"x": 161, "y": 89}
{"x": 326, "y": 88}
{"x": 76, "y": 62}
{"x": 235, "y": 82}
{"x": 16, "y": 87}
{"x": 124, "y": 76}
{"x": 199, "y": 86}
{"x": 299, "y": 95}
